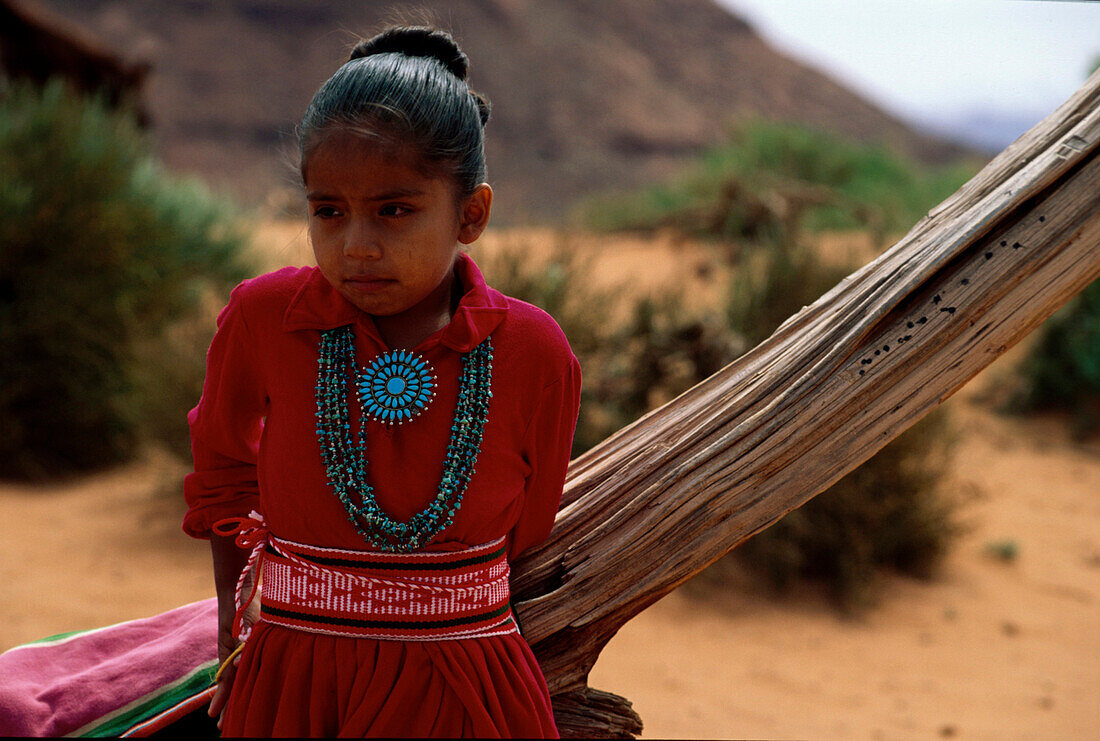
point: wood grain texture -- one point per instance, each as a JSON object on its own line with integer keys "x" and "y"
{"x": 665, "y": 497}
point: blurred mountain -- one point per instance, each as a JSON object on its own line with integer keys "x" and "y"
{"x": 587, "y": 94}
{"x": 987, "y": 131}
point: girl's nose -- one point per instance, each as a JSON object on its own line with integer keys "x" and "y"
{"x": 361, "y": 242}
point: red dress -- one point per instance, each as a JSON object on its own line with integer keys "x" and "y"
{"x": 255, "y": 447}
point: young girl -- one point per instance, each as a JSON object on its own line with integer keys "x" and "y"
{"x": 383, "y": 432}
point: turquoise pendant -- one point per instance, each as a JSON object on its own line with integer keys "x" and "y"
{"x": 393, "y": 384}
{"x": 396, "y": 386}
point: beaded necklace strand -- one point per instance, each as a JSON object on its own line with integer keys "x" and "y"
{"x": 344, "y": 454}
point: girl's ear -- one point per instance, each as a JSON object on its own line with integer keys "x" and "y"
{"x": 475, "y": 214}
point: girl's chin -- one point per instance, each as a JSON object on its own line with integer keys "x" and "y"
{"x": 371, "y": 302}
{"x": 376, "y": 304}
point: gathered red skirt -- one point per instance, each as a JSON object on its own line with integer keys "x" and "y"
{"x": 296, "y": 683}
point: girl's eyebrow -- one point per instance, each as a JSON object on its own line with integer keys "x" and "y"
{"x": 387, "y": 195}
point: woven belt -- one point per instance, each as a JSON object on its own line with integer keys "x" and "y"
{"x": 396, "y": 596}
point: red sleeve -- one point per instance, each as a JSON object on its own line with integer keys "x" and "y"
{"x": 546, "y": 447}
{"x": 226, "y": 427}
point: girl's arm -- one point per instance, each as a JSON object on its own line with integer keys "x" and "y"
{"x": 226, "y": 426}
{"x": 229, "y": 561}
{"x": 546, "y": 447}
{"x": 225, "y": 434}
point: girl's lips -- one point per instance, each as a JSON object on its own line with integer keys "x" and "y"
{"x": 368, "y": 284}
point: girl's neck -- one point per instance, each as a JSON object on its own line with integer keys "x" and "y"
{"x": 408, "y": 329}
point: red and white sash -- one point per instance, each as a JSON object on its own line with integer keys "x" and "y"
{"x": 423, "y": 596}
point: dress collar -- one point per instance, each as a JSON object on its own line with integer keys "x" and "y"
{"x": 318, "y": 305}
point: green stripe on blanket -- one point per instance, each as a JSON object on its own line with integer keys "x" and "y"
{"x": 106, "y": 681}
{"x": 155, "y": 702}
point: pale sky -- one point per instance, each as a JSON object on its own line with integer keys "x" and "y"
{"x": 935, "y": 60}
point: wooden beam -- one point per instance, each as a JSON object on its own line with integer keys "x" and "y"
{"x": 665, "y": 497}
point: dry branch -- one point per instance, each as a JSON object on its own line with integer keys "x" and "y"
{"x": 665, "y": 497}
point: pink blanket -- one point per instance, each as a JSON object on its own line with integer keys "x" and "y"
{"x": 109, "y": 680}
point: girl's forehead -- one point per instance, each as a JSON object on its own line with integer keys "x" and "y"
{"x": 344, "y": 155}
{"x": 341, "y": 144}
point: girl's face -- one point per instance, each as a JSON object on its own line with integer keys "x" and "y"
{"x": 385, "y": 234}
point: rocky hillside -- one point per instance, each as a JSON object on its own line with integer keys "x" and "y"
{"x": 587, "y": 94}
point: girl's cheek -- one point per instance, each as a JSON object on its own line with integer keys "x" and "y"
{"x": 321, "y": 229}
{"x": 397, "y": 225}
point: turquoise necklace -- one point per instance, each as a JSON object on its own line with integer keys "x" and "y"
{"x": 394, "y": 388}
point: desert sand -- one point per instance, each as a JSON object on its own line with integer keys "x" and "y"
{"x": 993, "y": 648}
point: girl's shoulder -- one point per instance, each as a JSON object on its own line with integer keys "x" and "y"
{"x": 266, "y": 298}
{"x": 533, "y": 334}
{"x": 531, "y": 320}
{"x": 278, "y": 286}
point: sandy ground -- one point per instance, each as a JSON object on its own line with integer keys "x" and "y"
{"x": 992, "y": 649}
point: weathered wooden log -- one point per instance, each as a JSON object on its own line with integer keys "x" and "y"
{"x": 665, "y": 497}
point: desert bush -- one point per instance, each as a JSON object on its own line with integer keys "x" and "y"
{"x": 1062, "y": 371}
{"x": 102, "y": 252}
{"x": 777, "y": 172}
{"x": 886, "y": 514}
{"x": 663, "y": 351}
{"x": 773, "y": 281}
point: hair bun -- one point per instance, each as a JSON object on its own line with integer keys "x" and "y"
{"x": 417, "y": 41}
{"x": 483, "y": 107}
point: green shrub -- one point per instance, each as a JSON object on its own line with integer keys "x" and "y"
{"x": 886, "y": 514}
{"x": 663, "y": 351}
{"x": 102, "y": 251}
{"x": 1063, "y": 369}
{"x": 1005, "y": 551}
{"x": 792, "y": 173}
{"x": 774, "y": 280}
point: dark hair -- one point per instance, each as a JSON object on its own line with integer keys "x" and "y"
{"x": 407, "y": 85}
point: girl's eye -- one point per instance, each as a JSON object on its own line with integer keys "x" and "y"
{"x": 325, "y": 212}
{"x": 394, "y": 209}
